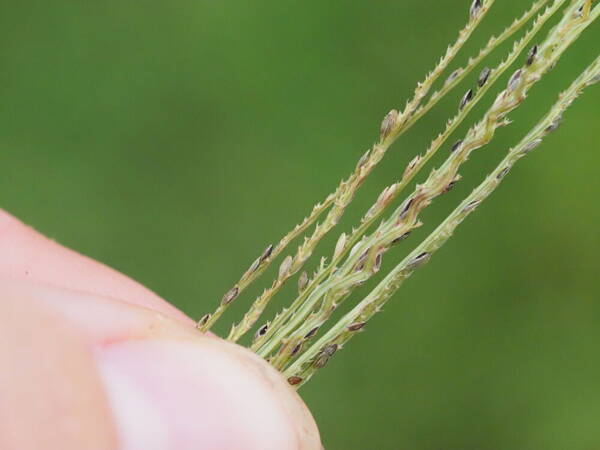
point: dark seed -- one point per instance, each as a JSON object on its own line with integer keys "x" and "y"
{"x": 360, "y": 264}
{"x": 262, "y": 330}
{"x": 554, "y": 125}
{"x": 294, "y": 380}
{"x": 330, "y": 349}
{"x": 320, "y": 361}
{"x": 406, "y": 208}
{"x": 471, "y": 206}
{"x": 456, "y": 146}
{"x": 378, "y": 260}
{"x": 475, "y": 8}
{"x": 296, "y": 349}
{"x": 204, "y": 320}
{"x": 311, "y": 333}
{"x": 356, "y": 326}
{"x": 484, "y": 76}
{"x": 422, "y": 258}
{"x": 466, "y": 99}
{"x": 401, "y": 238}
{"x": 323, "y": 357}
{"x": 450, "y": 186}
{"x": 230, "y": 295}
{"x": 531, "y": 55}
{"x": 503, "y": 173}
{"x": 266, "y": 253}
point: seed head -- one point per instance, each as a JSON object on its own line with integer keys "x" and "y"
{"x": 406, "y": 208}
{"x": 452, "y": 76}
{"x": 388, "y": 123}
{"x": 339, "y": 247}
{"x": 356, "y": 246}
{"x": 475, "y": 8}
{"x": 285, "y": 266}
{"x": 418, "y": 261}
{"x": 378, "y": 261}
{"x": 363, "y": 160}
{"x": 360, "y": 264}
{"x": 503, "y": 173}
{"x": 471, "y": 206}
{"x": 466, "y": 99}
{"x": 356, "y": 326}
{"x": 204, "y": 320}
{"x": 230, "y": 295}
{"x": 531, "y": 145}
{"x": 266, "y": 253}
{"x": 531, "y": 55}
{"x": 484, "y": 76}
{"x": 450, "y": 186}
{"x": 400, "y": 238}
{"x": 294, "y": 380}
{"x": 387, "y": 194}
{"x": 311, "y": 333}
{"x": 302, "y": 282}
{"x": 262, "y": 331}
{"x": 324, "y": 355}
{"x": 554, "y": 125}
{"x": 254, "y": 266}
{"x": 514, "y": 81}
{"x": 456, "y": 146}
{"x": 296, "y": 349}
{"x": 411, "y": 166}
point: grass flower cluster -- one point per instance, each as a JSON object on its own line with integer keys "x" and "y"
{"x": 297, "y": 341}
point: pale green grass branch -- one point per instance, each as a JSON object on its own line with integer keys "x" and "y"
{"x": 308, "y": 300}
{"x": 353, "y": 322}
{"x": 261, "y": 264}
{"x": 460, "y": 74}
{"x": 539, "y": 61}
{"x": 393, "y": 125}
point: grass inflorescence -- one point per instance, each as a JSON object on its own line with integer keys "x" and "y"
{"x": 294, "y": 341}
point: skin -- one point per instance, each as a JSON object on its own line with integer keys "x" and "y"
{"x": 91, "y": 359}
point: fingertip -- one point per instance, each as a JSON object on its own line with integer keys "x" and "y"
{"x": 202, "y": 393}
{"x": 168, "y": 386}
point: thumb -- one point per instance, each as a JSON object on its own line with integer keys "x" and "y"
{"x": 90, "y": 359}
{"x": 81, "y": 369}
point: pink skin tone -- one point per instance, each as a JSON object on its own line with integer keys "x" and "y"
{"x": 92, "y": 360}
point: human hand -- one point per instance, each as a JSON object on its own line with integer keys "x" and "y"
{"x": 92, "y": 360}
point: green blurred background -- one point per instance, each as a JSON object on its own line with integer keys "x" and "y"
{"x": 174, "y": 140}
